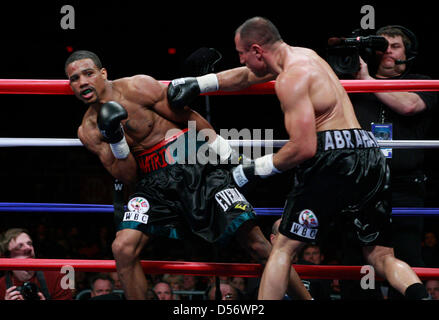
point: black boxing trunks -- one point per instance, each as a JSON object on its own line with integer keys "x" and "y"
{"x": 347, "y": 181}
{"x": 177, "y": 195}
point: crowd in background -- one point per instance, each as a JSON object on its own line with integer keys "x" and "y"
{"x": 94, "y": 242}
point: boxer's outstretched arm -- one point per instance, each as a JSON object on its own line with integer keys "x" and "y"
{"x": 180, "y": 115}
{"x": 184, "y": 91}
{"x": 239, "y": 79}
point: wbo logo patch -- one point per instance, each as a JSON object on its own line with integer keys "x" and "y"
{"x": 138, "y": 205}
{"x": 308, "y": 219}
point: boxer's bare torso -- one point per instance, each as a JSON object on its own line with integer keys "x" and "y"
{"x": 149, "y": 116}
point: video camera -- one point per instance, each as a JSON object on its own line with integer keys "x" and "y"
{"x": 343, "y": 54}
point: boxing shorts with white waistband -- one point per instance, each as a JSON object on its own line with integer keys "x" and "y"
{"x": 347, "y": 181}
{"x": 178, "y": 196}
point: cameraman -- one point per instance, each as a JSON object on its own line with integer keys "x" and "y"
{"x": 25, "y": 285}
{"x": 404, "y": 116}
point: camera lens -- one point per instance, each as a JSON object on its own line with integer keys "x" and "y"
{"x": 29, "y": 291}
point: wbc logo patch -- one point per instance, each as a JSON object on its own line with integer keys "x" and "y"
{"x": 307, "y": 225}
{"x": 137, "y": 207}
{"x": 308, "y": 219}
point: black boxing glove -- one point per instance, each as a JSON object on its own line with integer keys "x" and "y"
{"x": 255, "y": 170}
{"x": 109, "y": 123}
{"x": 183, "y": 91}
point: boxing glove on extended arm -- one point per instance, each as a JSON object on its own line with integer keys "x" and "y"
{"x": 183, "y": 91}
{"x": 227, "y": 155}
{"x": 222, "y": 148}
{"x": 109, "y": 123}
{"x": 260, "y": 168}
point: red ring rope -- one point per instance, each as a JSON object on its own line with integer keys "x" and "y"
{"x": 200, "y": 268}
{"x": 61, "y": 87}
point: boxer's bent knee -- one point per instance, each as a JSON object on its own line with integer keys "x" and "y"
{"x": 128, "y": 244}
{"x": 377, "y": 254}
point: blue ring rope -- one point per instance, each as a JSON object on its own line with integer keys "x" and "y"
{"x": 106, "y": 208}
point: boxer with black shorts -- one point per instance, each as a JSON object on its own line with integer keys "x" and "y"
{"x": 127, "y": 125}
{"x": 340, "y": 170}
{"x": 167, "y": 191}
{"x": 344, "y": 158}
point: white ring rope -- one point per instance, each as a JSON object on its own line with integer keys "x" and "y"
{"x": 39, "y": 142}
{"x": 66, "y": 142}
{"x": 399, "y": 144}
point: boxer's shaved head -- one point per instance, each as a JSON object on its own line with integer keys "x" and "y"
{"x": 258, "y": 30}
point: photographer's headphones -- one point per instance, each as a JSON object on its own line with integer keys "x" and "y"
{"x": 411, "y": 50}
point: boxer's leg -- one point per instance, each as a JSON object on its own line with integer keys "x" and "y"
{"x": 253, "y": 240}
{"x": 126, "y": 250}
{"x": 397, "y": 272}
{"x": 277, "y": 271}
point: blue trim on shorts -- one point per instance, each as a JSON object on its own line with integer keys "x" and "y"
{"x": 171, "y": 233}
{"x": 233, "y": 227}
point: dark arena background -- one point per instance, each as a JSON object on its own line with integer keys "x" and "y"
{"x": 141, "y": 37}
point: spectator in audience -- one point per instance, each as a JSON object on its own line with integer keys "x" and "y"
{"x": 101, "y": 284}
{"x": 397, "y": 116}
{"x": 228, "y": 292}
{"x": 116, "y": 280}
{"x": 311, "y": 253}
{"x": 320, "y": 289}
{"x": 176, "y": 283}
{"x": 433, "y": 288}
{"x": 163, "y": 290}
{"x": 430, "y": 250}
{"x": 239, "y": 283}
{"x": 16, "y": 243}
{"x": 192, "y": 283}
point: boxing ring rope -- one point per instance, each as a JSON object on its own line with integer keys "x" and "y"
{"x": 251, "y": 270}
{"x": 70, "y": 142}
{"x": 107, "y": 208}
{"x": 61, "y": 87}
